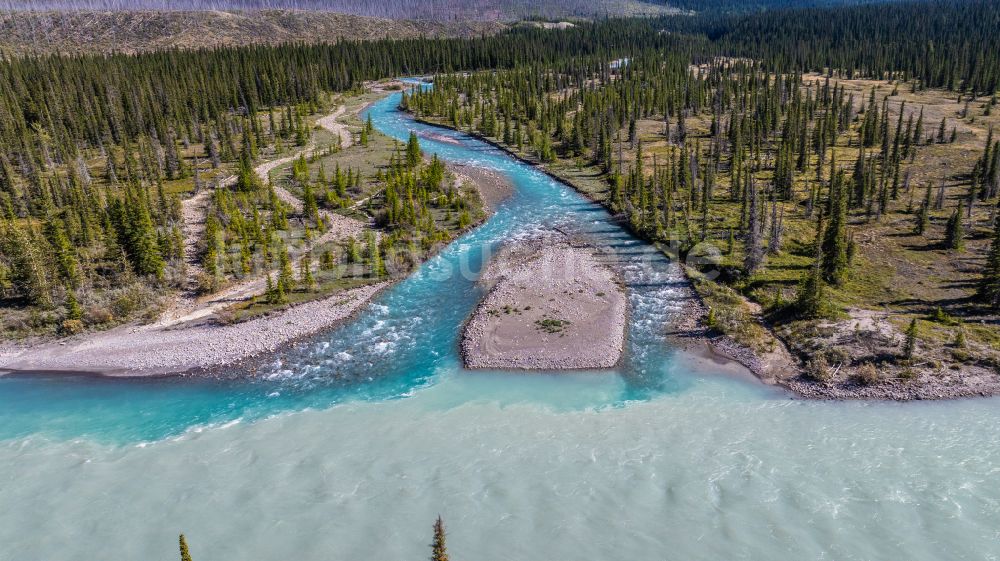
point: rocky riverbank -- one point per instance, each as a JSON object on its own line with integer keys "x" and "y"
{"x": 855, "y": 358}
{"x": 139, "y": 351}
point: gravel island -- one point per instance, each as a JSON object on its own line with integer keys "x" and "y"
{"x": 553, "y": 304}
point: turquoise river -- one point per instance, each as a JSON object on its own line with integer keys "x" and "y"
{"x": 349, "y": 445}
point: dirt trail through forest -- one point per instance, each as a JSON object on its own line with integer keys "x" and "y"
{"x": 189, "y": 306}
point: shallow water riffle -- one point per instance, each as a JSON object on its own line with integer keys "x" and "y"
{"x": 349, "y": 444}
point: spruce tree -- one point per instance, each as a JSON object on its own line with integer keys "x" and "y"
{"x": 353, "y": 251}
{"x": 754, "y": 253}
{"x": 412, "y": 151}
{"x": 326, "y": 262}
{"x": 310, "y": 207}
{"x": 28, "y": 271}
{"x": 185, "y": 554}
{"x": 954, "y": 234}
{"x": 811, "y": 298}
{"x": 375, "y": 256}
{"x": 286, "y": 279}
{"x": 921, "y": 220}
{"x": 439, "y": 551}
{"x": 306, "y": 279}
{"x": 835, "y": 242}
{"x": 73, "y": 310}
{"x": 918, "y": 132}
{"x": 269, "y": 294}
{"x": 247, "y": 180}
{"x": 989, "y": 285}
{"x": 64, "y": 254}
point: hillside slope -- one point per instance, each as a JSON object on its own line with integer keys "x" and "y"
{"x": 455, "y": 10}
{"x": 133, "y": 31}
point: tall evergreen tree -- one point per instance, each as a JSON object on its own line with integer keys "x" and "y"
{"x": 954, "y": 235}
{"x": 835, "y": 242}
{"x": 305, "y": 272}
{"x": 811, "y": 298}
{"x": 754, "y": 252}
{"x": 910, "y": 344}
{"x": 989, "y": 284}
{"x": 412, "y": 151}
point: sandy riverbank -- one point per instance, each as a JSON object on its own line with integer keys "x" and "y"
{"x": 553, "y": 305}
{"x": 690, "y": 333}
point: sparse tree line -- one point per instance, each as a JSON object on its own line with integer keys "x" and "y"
{"x": 462, "y": 10}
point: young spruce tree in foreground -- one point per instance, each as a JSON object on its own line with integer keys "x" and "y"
{"x": 439, "y": 551}
{"x": 185, "y": 555}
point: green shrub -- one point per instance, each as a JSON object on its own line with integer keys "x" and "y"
{"x": 818, "y": 369}
{"x": 959, "y": 339}
{"x": 837, "y": 355}
{"x": 942, "y": 317}
{"x": 960, "y": 355}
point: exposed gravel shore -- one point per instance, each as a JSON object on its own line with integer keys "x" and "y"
{"x": 867, "y": 337}
{"x": 690, "y": 334}
{"x": 150, "y": 350}
{"x": 553, "y": 305}
{"x": 930, "y": 385}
